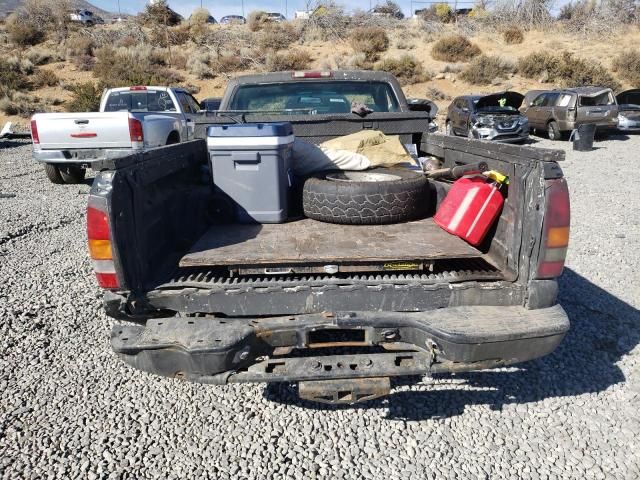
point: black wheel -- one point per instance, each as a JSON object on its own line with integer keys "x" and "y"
{"x": 53, "y": 173}
{"x": 371, "y": 197}
{"x": 72, "y": 174}
{"x": 553, "y": 131}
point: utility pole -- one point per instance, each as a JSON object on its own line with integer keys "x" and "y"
{"x": 243, "y": 8}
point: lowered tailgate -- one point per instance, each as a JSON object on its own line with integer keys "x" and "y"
{"x": 62, "y": 131}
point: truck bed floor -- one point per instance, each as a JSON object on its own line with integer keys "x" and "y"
{"x": 307, "y": 240}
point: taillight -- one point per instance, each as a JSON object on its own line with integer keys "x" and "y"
{"x": 137, "y": 88}
{"x": 135, "y": 130}
{"x": 34, "y": 133}
{"x": 556, "y": 223}
{"x": 99, "y": 237}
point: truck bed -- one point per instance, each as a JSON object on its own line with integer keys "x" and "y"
{"x": 309, "y": 241}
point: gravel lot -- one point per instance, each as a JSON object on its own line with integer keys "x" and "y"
{"x": 70, "y": 409}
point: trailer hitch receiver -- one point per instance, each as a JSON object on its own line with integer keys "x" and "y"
{"x": 344, "y": 391}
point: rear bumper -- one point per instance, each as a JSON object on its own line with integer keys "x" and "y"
{"x": 81, "y": 156}
{"x": 226, "y": 350}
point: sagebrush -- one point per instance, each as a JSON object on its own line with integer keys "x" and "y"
{"x": 454, "y": 48}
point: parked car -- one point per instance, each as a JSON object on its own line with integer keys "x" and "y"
{"x": 130, "y": 119}
{"x": 211, "y": 104}
{"x": 560, "y": 111}
{"x": 629, "y": 110}
{"x": 319, "y": 308}
{"x": 210, "y": 19}
{"x": 490, "y": 117}
{"x": 233, "y": 19}
{"x": 276, "y": 17}
{"x": 85, "y": 17}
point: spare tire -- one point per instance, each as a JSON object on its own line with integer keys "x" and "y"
{"x": 371, "y": 197}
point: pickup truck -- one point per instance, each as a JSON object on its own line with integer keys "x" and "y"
{"x": 215, "y": 303}
{"x": 130, "y": 119}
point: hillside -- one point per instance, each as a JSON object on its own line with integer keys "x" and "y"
{"x": 204, "y": 57}
{"x": 8, "y": 6}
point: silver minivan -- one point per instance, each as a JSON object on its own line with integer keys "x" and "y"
{"x": 558, "y": 112}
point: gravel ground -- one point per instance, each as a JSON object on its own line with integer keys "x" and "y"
{"x": 70, "y": 409}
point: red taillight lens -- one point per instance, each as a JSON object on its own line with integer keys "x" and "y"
{"x": 108, "y": 280}
{"x": 555, "y": 239}
{"x": 97, "y": 224}
{"x": 99, "y": 239}
{"x": 135, "y": 130}
{"x": 34, "y": 132}
{"x": 137, "y": 88}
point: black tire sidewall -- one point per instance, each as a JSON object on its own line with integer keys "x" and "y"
{"x": 53, "y": 173}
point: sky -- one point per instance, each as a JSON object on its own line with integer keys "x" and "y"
{"x": 220, "y": 8}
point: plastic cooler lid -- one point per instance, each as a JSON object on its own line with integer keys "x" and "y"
{"x": 276, "y": 129}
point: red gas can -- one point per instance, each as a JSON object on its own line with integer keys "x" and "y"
{"x": 470, "y": 208}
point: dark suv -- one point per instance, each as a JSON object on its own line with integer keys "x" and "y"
{"x": 490, "y": 117}
{"x": 558, "y": 112}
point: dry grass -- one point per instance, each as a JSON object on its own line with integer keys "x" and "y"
{"x": 454, "y": 48}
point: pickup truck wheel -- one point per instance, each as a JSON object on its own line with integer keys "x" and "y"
{"x": 173, "y": 138}
{"x": 53, "y": 173}
{"x": 371, "y": 197}
{"x": 553, "y": 131}
{"x": 72, "y": 174}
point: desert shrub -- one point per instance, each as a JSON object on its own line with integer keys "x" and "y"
{"x": 257, "y": 20}
{"x": 439, "y": 12}
{"x": 390, "y": 8}
{"x": 513, "y": 35}
{"x": 454, "y": 48}
{"x": 25, "y": 105}
{"x": 45, "y": 78}
{"x": 23, "y": 33}
{"x": 292, "y": 60}
{"x": 199, "y": 24}
{"x": 566, "y": 70}
{"x": 627, "y": 66}
{"x": 42, "y": 55}
{"x": 199, "y": 64}
{"x": 159, "y": 13}
{"x": 12, "y": 77}
{"x": 277, "y": 36}
{"x": 537, "y": 64}
{"x": 371, "y": 41}
{"x": 530, "y": 13}
{"x": 84, "y": 63}
{"x": 330, "y": 22}
{"x": 484, "y": 69}
{"x": 140, "y": 66}
{"x": 85, "y": 97}
{"x": 77, "y": 45}
{"x": 356, "y": 61}
{"x": 179, "y": 61}
{"x": 161, "y": 36}
{"x": 575, "y": 72}
{"x": 598, "y": 19}
{"x": 407, "y": 69}
{"x": 35, "y": 19}
{"x": 226, "y": 64}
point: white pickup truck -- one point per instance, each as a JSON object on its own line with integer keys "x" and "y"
{"x": 130, "y": 119}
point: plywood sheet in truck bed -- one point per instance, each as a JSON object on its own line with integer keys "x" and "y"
{"x": 307, "y": 240}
